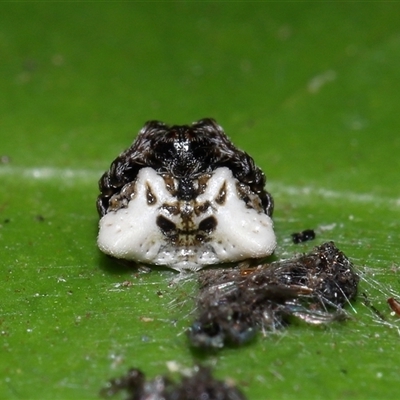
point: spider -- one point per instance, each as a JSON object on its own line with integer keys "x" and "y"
{"x": 184, "y": 196}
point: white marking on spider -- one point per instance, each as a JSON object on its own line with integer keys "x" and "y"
{"x": 204, "y": 231}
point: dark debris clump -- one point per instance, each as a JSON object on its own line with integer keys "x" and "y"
{"x": 303, "y": 236}
{"x": 199, "y": 386}
{"x": 233, "y": 304}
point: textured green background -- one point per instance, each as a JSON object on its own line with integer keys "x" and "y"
{"x": 311, "y": 90}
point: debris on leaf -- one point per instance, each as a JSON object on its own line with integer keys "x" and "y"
{"x": 201, "y": 385}
{"x": 394, "y": 305}
{"x": 303, "y": 236}
{"x": 233, "y": 304}
{"x": 367, "y": 303}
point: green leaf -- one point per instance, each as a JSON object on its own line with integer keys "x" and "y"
{"x": 310, "y": 90}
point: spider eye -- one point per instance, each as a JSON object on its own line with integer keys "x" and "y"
{"x": 165, "y": 224}
{"x": 208, "y": 225}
